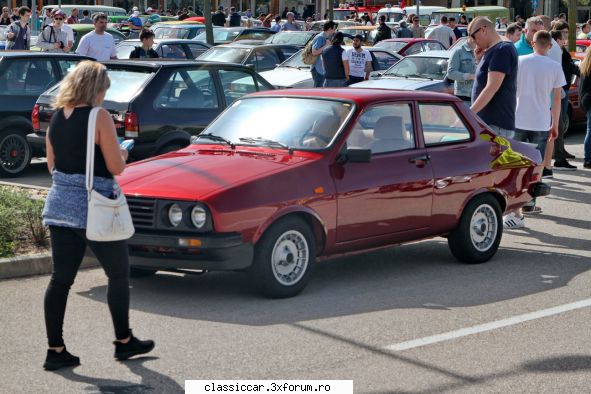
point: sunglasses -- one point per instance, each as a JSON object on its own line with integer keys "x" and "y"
{"x": 473, "y": 35}
{"x": 58, "y": 19}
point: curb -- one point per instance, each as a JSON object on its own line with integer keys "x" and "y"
{"x": 35, "y": 264}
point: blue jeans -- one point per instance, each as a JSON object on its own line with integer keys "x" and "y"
{"x": 318, "y": 78}
{"x": 587, "y": 143}
{"x": 335, "y": 83}
{"x": 502, "y": 132}
{"x": 540, "y": 138}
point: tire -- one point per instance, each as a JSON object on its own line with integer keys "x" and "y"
{"x": 15, "y": 153}
{"x": 140, "y": 272}
{"x": 284, "y": 259}
{"x": 479, "y": 232}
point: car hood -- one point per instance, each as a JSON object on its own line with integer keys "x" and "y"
{"x": 199, "y": 171}
{"x": 288, "y": 77}
{"x": 397, "y": 83}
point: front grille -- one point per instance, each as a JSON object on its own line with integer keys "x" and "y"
{"x": 143, "y": 211}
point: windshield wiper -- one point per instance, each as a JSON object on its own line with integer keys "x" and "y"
{"x": 264, "y": 141}
{"x": 214, "y": 137}
{"x": 418, "y": 76}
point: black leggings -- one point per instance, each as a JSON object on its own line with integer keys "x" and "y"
{"x": 67, "y": 249}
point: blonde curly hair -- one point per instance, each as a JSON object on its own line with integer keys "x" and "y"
{"x": 82, "y": 85}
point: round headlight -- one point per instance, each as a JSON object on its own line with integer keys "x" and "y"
{"x": 175, "y": 215}
{"x": 198, "y": 216}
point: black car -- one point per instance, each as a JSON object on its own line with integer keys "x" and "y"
{"x": 23, "y": 77}
{"x": 161, "y": 104}
{"x": 259, "y": 57}
{"x": 166, "y": 48}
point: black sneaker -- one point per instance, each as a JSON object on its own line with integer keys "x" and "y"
{"x": 55, "y": 360}
{"x": 587, "y": 164}
{"x": 564, "y": 165}
{"x": 570, "y": 156}
{"x": 547, "y": 174}
{"x": 123, "y": 351}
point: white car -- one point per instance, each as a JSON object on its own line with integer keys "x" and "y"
{"x": 293, "y": 73}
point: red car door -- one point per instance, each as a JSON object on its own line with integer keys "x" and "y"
{"x": 393, "y": 192}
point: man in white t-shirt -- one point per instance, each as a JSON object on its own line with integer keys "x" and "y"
{"x": 536, "y": 118}
{"x": 443, "y": 33}
{"x": 357, "y": 62}
{"x": 98, "y": 44}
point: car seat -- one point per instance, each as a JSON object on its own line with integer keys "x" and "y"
{"x": 191, "y": 98}
{"x": 37, "y": 79}
{"x": 390, "y": 135}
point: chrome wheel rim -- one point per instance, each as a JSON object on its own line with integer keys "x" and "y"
{"x": 14, "y": 150}
{"x": 483, "y": 228}
{"x": 290, "y": 257}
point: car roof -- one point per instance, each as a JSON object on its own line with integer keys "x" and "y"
{"x": 442, "y": 54}
{"x": 155, "y": 64}
{"x": 359, "y": 96}
{"x": 237, "y": 44}
{"x": 167, "y": 41}
{"x": 13, "y": 54}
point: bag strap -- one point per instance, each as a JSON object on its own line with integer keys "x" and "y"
{"x": 91, "y": 134}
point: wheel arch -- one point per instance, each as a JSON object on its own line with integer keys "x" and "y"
{"x": 17, "y": 122}
{"x": 179, "y": 136}
{"x": 499, "y": 195}
{"x": 305, "y": 213}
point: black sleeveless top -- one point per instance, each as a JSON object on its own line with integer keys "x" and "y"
{"x": 68, "y": 138}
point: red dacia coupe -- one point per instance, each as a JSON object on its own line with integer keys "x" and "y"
{"x": 282, "y": 179}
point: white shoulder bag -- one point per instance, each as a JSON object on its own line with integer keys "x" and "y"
{"x": 108, "y": 219}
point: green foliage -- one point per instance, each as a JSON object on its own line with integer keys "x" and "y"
{"x": 20, "y": 219}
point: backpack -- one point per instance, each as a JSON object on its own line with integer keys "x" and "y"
{"x": 307, "y": 56}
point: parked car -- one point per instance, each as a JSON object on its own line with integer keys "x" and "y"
{"x": 297, "y": 38}
{"x": 368, "y": 33}
{"x": 576, "y": 113}
{"x": 166, "y": 48}
{"x": 319, "y": 25}
{"x": 226, "y": 35}
{"x": 410, "y": 46}
{"x": 177, "y": 30}
{"x": 293, "y": 73}
{"x": 284, "y": 178}
{"x": 161, "y": 104}
{"x": 260, "y": 57}
{"x": 23, "y": 77}
{"x": 424, "y": 71}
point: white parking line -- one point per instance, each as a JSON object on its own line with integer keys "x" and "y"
{"x": 397, "y": 347}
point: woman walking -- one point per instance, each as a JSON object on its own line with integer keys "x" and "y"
{"x": 585, "y": 96}
{"x": 66, "y": 210}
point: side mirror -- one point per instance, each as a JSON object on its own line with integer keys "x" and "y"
{"x": 250, "y": 66}
{"x": 358, "y": 155}
{"x": 375, "y": 74}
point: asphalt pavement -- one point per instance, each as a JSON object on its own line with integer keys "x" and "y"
{"x": 407, "y": 319}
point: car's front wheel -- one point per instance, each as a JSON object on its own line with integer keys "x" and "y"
{"x": 479, "y": 232}
{"x": 284, "y": 258}
{"x": 15, "y": 153}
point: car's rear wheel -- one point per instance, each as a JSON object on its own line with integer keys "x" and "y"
{"x": 477, "y": 237}
{"x": 15, "y": 153}
{"x": 135, "y": 272}
{"x": 284, "y": 258}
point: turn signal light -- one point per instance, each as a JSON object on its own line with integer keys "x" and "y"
{"x": 190, "y": 243}
{"x": 35, "y": 118}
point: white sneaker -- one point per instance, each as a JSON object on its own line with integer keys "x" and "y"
{"x": 512, "y": 221}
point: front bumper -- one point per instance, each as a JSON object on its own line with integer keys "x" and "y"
{"x": 216, "y": 252}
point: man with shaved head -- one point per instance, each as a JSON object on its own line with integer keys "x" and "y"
{"x": 495, "y": 85}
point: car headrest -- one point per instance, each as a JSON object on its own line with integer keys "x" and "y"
{"x": 388, "y": 128}
{"x": 190, "y": 98}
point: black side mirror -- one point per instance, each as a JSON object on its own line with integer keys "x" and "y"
{"x": 358, "y": 155}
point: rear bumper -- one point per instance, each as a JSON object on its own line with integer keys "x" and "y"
{"x": 37, "y": 143}
{"x": 540, "y": 189}
{"x": 217, "y": 252}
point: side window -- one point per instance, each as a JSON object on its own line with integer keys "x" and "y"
{"x": 384, "y": 128}
{"x": 67, "y": 66}
{"x": 27, "y": 77}
{"x": 415, "y": 48}
{"x": 172, "y": 51}
{"x": 236, "y": 84}
{"x": 266, "y": 60}
{"x": 193, "y": 89}
{"x": 196, "y": 50}
{"x": 442, "y": 124}
{"x": 383, "y": 60}
{"x": 433, "y": 46}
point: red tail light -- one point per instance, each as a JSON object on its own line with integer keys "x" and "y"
{"x": 132, "y": 127}
{"x": 35, "y": 118}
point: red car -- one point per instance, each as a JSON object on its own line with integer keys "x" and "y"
{"x": 410, "y": 46}
{"x": 283, "y": 179}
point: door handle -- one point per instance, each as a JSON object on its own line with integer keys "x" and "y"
{"x": 420, "y": 160}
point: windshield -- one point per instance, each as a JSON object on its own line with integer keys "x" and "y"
{"x": 393, "y": 46}
{"x": 225, "y": 54}
{"x": 177, "y": 32}
{"x": 299, "y": 123}
{"x": 219, "y": 35}
{"x": 295, "y": 61}
{"x": 342, "y": 15}
{"x": 419, "y": 67}
{"x": 293, "y": 38}
{"x": 392, "y": 16}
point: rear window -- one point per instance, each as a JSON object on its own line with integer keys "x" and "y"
{"x": 225, "y": 54}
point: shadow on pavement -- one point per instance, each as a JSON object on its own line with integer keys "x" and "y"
{"x": 560, "y": 364}
{"x": 152, "y": 381}
{"x": 420, "y": 275}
